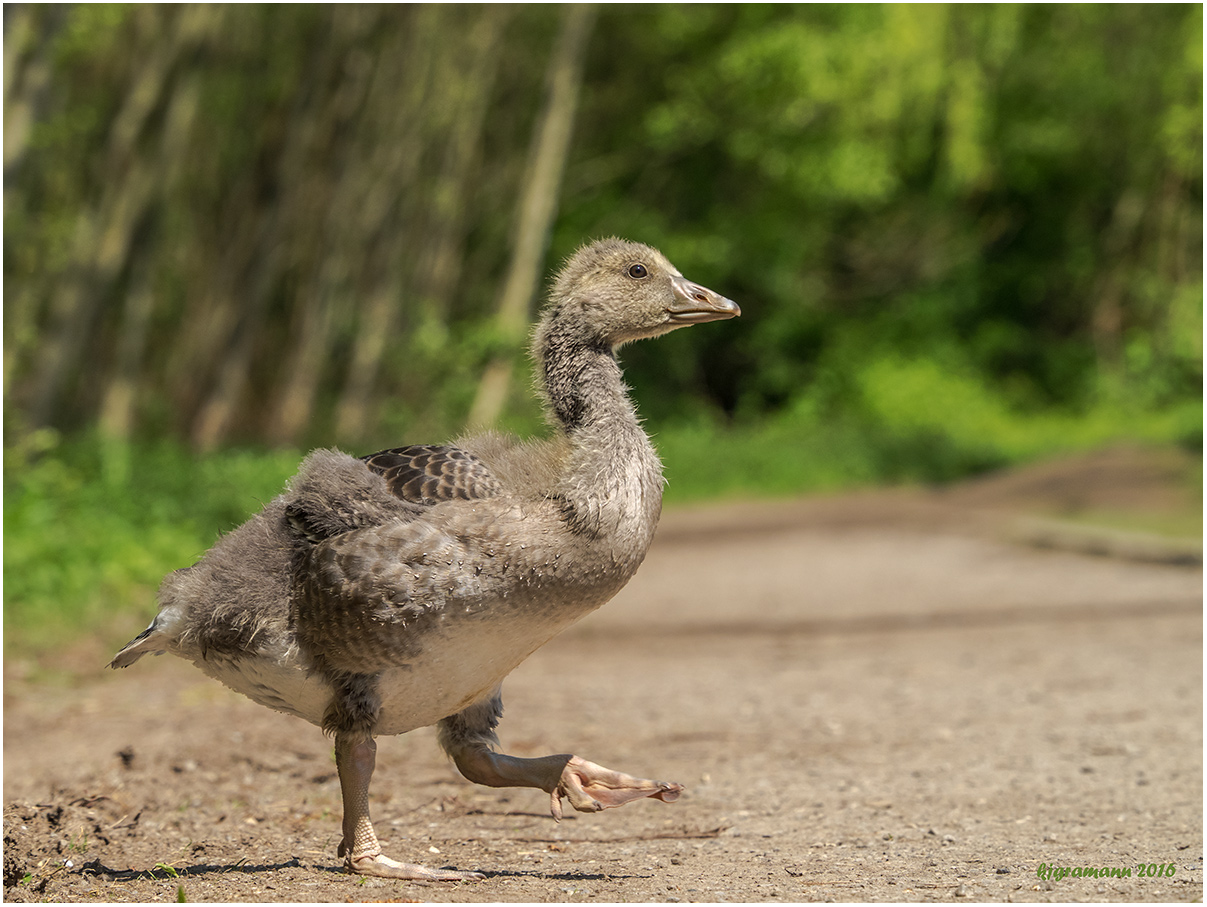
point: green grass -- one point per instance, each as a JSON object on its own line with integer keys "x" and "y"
{"x": 907, "y": 421}
{"x": 90, "y": 529}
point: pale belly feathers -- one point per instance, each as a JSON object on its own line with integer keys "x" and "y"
{"x": 460, "y": 663}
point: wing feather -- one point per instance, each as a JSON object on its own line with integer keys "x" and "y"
{"x": 428, "y": 474}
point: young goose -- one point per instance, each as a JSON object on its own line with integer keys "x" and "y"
{"x": 395, "y": 591}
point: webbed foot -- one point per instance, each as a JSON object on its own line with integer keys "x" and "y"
{"x": 590, "y": 788}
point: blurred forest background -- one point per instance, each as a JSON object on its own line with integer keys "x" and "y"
{"x": 962, "y": 237}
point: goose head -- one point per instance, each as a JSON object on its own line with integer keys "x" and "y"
{"x": 620, "y": 291}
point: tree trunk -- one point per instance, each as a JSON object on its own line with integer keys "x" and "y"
{"x": 455, "y": 103}
{"x": 287, "y": 245}
{"x": 118, "y": 405}
{"x": 538, "y": 207}
{"x": 1108, "y": 315}
{"x": 104, "y": 241}
{"x": 407, "y": 69}
{"x": 333, "y": 209}
{"x": 28, "y": 71}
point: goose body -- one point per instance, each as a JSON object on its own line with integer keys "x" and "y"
{"x": 385, "y": 593}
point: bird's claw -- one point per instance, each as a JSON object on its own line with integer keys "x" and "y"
{"x": 591, "y": 788}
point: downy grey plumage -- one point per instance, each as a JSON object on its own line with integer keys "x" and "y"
{"x": 395, "y": 591}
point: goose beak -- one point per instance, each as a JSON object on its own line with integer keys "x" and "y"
{"x": 695, "y": 304}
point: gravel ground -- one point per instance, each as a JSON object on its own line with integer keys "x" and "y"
{"x": 871, "y": 698}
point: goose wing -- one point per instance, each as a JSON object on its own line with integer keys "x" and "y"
{"x": 334, "y": 493}
{"x": 427, "y": 474}
{"x": 364, "y": 593}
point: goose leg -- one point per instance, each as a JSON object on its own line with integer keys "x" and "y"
{"x": 355, "y": 758}
{"x": 469, "y": 735}
{"x": 590, "y": 787}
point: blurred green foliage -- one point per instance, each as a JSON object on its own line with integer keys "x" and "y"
{"x": 962, "y": 237}
{"x": 90, "y": 528}
{"x": 1012, "y": 191}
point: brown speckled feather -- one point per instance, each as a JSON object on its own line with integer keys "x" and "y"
{"x": 431, "y": 473}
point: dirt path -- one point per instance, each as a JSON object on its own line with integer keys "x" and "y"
{"x": 869, "y": 699}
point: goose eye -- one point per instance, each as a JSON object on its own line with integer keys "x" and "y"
{"x": 637, "y": 271}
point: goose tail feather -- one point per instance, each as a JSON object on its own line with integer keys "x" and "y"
{"x": 149, "y": 642}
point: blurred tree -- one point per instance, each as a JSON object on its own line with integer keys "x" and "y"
{"x": 537, "y": 208}
{"x": 263, "y": 222}
{"x": 973, "y": 184}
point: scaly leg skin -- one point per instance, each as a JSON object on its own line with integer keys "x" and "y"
{"x": 355, "y": 759}
{"x": 588, "y": 787}
{"x": 469, "y": 738}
